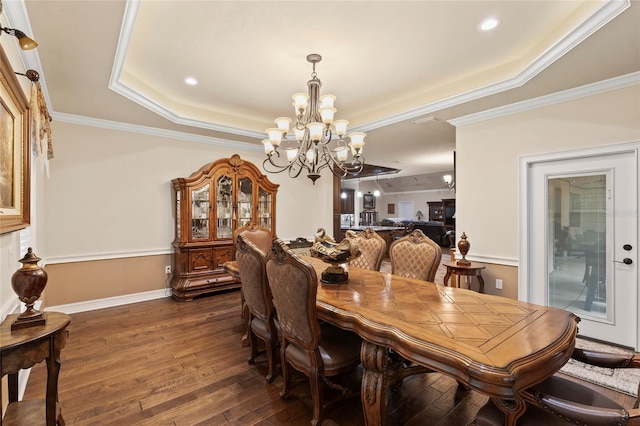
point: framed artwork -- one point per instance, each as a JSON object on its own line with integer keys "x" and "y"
{"x": 391, "y": 209}
{"x": 14, "y": 151}
{"x": 368, "y": 201}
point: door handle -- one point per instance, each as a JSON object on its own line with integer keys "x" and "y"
{"x": 626, "y": 261}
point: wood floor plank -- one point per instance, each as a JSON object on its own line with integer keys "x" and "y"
{"x": 163, "y": 362}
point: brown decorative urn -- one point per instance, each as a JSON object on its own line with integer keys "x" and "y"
{"x": 28, "y": 282}
{"x": 463, "y": 246}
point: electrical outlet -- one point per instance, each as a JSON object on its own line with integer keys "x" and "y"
{"x": 167, "y": 269}
{"x": 498, "y": 284}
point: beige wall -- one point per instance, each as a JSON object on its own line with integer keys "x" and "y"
{"x": 82, "y": 281}
{"x": 109, "y": 197}
{"x": 488, "y": 156}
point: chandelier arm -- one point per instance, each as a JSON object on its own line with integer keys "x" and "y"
{"x": 336, "y": 167}
{"x": 267, "y": 165}
{"x": 294, "y": 172}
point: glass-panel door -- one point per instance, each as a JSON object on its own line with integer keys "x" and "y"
{"x": 224, "y": 207}
{"x": 578, "y": 212}
{"x": 200, "y": 213}
{"x": 264, "y": 208}
{"x": 245, "y": 201}
{"x": 582, "y": 237}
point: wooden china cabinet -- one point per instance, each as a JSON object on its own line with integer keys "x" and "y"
{"x": 208, "y": 207}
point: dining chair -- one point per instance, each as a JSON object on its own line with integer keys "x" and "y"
{"x": 262, "y": 324}
{"x": 261, "y": 237}
{"x": 317, "y": 349}
{"x": 415, "y": 256}
{"x": 560, "y": 401}
{"x": 372, "y": 248}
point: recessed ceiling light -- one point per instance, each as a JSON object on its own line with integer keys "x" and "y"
{"x": 191, "y": 81}
{"x": 489, "y": 24}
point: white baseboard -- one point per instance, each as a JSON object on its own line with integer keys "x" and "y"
{"x": 110, "y": 302}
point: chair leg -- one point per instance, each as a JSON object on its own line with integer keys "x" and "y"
{"x": 272, "y": 354}
{"x": 246, "y": 317}
{"x": 316, "y": 384}
{"x": 253, "y": 346}
{"x": 286, "y": 374}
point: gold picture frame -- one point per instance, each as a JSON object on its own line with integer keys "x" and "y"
{"x": 15, "y": 154}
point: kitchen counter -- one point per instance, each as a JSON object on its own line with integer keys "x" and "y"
{"x": 375, "y": 228}
{"x": 389, "y": 233}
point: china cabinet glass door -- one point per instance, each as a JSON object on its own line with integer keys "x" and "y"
{"x": 200, "y": 212}
{"x": 245, "y": 201}
{"x": 224, "y": 207}
{"x": 264, "y": 208}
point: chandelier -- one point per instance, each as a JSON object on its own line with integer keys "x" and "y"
{"x": 315, "y": 146}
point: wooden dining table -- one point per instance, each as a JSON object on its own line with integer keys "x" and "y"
{"x": 490, "y": 344}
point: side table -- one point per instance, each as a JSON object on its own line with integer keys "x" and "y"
{"x": 20, "y": 349}
{"x": 472, "y": 270}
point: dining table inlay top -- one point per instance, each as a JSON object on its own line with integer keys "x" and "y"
{"x": 492, "y": 344}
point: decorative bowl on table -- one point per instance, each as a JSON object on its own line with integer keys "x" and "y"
{"x": 335, "y": 254}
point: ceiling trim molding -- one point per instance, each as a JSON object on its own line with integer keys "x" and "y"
{"x": 153, "y": 131}
{"x": 126, "y": 32}
{"x": 17, "y": 15}
{"x": 547, "y": 100}
{"x": 606, "y": 13}
{"x": 596, "y": 21}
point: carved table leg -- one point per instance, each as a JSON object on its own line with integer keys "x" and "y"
{"x": 446, "y": 277}
{"x": 481, "y": 283}
{"x": 53, "y": 370}
{"x": 376, "y": 379}
{"x": 512, "y": 409}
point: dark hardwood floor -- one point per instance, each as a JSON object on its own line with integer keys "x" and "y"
{"x": 169, "y": 363}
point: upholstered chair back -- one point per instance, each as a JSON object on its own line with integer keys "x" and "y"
{"x": 415, "y": 256}
{"x": 372, "y": 248}
{"x": 252, "y": 267}
{"x": 294, "y": 283}
{"x": 258, "y": 235}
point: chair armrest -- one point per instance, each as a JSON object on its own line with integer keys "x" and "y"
{"x": 581, "y": 413}
{"x": 606, "y": 359}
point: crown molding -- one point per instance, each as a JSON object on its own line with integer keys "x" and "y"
{"x": 596, "y": 21}
{"x": 126, "y": 32}
{"x": 17, "y": 16}
{"x": 606, "y": 13}
{"x": 153, "y": 131}
{"x": 547, "y": 100}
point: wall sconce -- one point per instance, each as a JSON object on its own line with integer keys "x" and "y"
{"x": 26, "y": 43}
{"x": 448, "y": 179}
